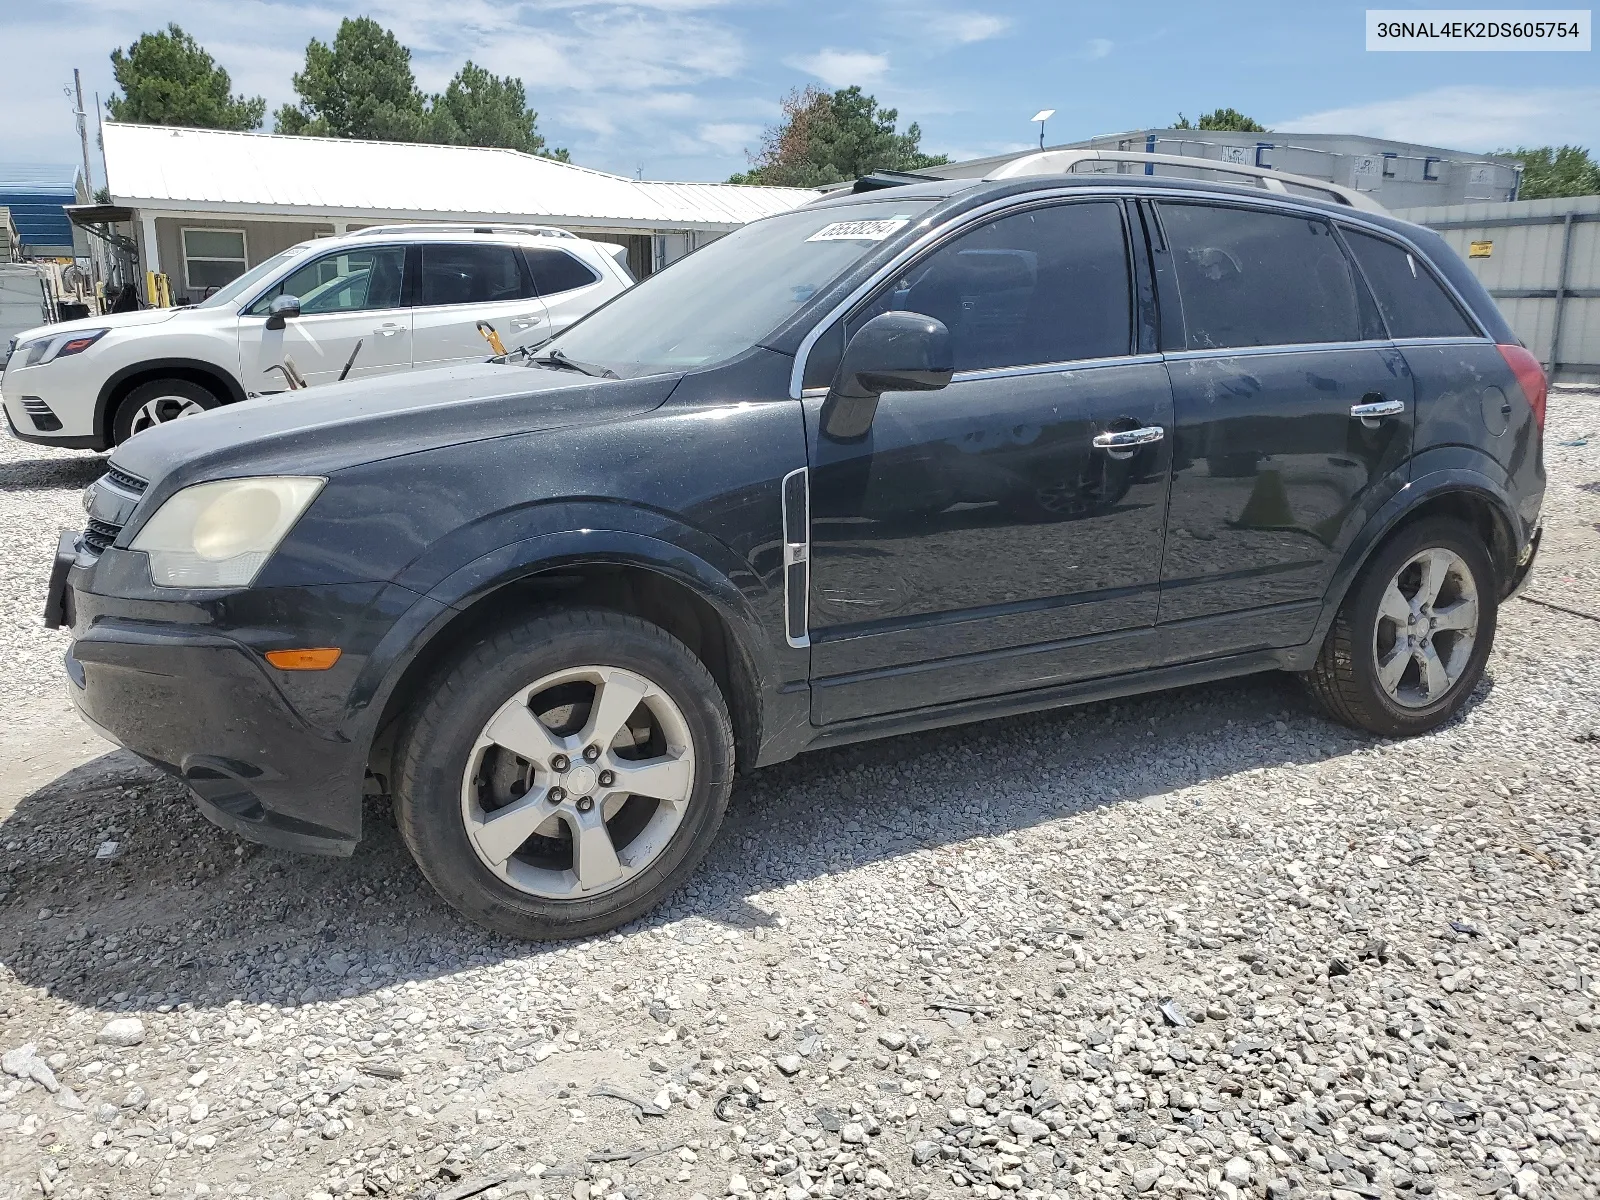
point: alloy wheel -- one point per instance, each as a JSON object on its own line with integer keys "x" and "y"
{"x": 1427, "y": 625}
{"x": 161, "y": 409}
{"x": 578, "y": 782}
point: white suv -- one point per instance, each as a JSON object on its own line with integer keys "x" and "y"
{"x": 384, "y": 299}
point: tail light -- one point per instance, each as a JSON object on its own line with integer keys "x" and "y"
{"x": 1530, "y": 377}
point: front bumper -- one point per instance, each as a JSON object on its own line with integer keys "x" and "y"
{"x": 199, "y": 708}
{"x": 277, "y": 757}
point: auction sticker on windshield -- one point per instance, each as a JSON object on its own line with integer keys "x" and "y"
{"x": 859, "y": 231}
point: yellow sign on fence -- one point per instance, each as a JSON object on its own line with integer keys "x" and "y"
{"x": 1480, "y": 249}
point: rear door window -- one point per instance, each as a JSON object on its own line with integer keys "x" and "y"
{"x": 1411, "y": 300}
{"x": 556, "y": 271}
{"x": 1253, "y": 278}
{"x": 1043, "y": 286}
{"x": 482, "y": 274}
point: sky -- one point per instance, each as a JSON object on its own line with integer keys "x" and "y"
{"x": 681, "y": 89}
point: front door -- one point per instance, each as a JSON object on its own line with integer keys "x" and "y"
{"x": 465, "y": 285}
{"x": 1275, "y": 467}
{"x": 352, "y": 312}
{"x": 977, "y": 541}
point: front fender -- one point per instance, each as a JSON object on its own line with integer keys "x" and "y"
{"x": 1435, "y": 473}
{"x": 736, "y": 592}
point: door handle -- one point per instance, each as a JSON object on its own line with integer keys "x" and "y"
{"x": 520, "y": 323}
{"x": 1371, "y": 411}
{"x": 1121, "y": 443}
{"x": 388, "y": 330}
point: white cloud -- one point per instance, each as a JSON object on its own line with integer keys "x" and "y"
{"x": 730, "y": 137}
{"x": 841, "y": 68}
{"x": 1467, "y": 117}
{"x": 1100, "y": 47}
{"x": 964, "y": 28}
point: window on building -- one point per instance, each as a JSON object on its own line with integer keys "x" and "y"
{"x": 1251, "y": 278}
{"x": 1430, "y": 169}
{"x": 1411, "y": 300}
{"x": 556, "y": 271}
{"x": 1388, "y": 165}
{"x": 212, "y": 258}
{"x": 472, "y": 275}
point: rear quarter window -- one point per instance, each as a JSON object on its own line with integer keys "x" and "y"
{"x": 1413, "y": 303}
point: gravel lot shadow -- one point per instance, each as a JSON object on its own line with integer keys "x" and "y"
{"x": 38, "y": 474}
{"x": 179, "y": 911}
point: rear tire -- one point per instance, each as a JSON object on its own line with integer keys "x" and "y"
{"x": 1411, "y": 640}
{"x": 156, "y": 403}
{"x": 517, "y": 798}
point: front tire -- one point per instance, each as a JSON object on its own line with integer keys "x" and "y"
{"x": 1411, "y": 640}
{"x": 565, "y": 774}
{"x": 156, "y": 403}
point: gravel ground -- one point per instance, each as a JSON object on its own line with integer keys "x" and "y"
{"x": 1198, "y": 943}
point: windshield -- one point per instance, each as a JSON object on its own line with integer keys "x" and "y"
{"x": 723, "y": 299}
{"x": 243, "y": 285}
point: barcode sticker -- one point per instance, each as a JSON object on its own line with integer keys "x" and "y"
{"x": 859, "y": 231}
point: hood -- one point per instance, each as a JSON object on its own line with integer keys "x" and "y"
{"x": 127, "y": 320}
{"x": 336, "y": 425}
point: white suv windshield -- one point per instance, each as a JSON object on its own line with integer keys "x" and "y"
{"x": 251, "y": 279}
{"x": 723, "y": 299}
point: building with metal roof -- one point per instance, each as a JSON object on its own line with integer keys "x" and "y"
{"x": 1396, "y": 174}
{"x": 37, "y": 195}
{"x": 269, "y": 191}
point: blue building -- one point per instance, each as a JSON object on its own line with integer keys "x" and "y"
{"x": 35, "y": 194}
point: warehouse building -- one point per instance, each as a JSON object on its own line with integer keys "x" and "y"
{"x": 1398, "y": 174}
{"x": 202, "y": 206}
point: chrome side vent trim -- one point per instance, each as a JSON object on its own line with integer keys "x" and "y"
{"x": 796, "y": 557}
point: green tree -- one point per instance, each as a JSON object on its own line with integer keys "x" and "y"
{"x": 1228, "y": 119}
{"x": 1556, "y": 171}
{"x": 360, "y": 87}
{"x": 482, "y": 109}
{"x": 168, "y": 79}
{"x": 829, "y": 137}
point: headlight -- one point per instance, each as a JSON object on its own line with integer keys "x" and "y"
{"x": 59, "y": 345}
{"x": 216, "y": 535}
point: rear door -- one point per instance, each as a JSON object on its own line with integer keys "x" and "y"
{"x": 463, "y": 285}
{"x": 569, "y": 287}
{"x": 977, "y": 540}
{"x": 352, "y": 312}
{"x": 1294, "y": 421}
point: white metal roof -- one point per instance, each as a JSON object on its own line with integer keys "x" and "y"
{"x": 152, "y": 167}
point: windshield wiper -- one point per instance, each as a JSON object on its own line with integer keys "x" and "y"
{"x": 556, "y": 359}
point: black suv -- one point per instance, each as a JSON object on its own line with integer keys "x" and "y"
{"x": 893, "y": 460}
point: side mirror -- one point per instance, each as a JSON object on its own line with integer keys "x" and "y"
{"x": 281, "y": 309}
{"x": 893, "y": 352}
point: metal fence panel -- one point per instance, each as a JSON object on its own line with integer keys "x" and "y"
{"x": 1540, "y": 260}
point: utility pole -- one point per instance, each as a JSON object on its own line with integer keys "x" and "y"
{"x": 88, "y": 178}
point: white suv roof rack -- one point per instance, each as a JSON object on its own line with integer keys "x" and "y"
{"x": 1063, "y": 162}
{"x": 464, "y": 227}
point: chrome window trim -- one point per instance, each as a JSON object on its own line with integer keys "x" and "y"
{"x": 1276, "y": 348}
{"x": 1454, "y": 340}
{"x": 1056, "y": 368}
{"x": 1265, "y": 202}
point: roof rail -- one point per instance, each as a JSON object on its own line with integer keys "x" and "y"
{"x": 1062, "y": 162}
{"x": 464, "y": 227}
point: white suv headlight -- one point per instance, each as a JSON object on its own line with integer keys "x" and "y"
{"x": 220, "y": 534}
{"x": 58, "y": 345}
